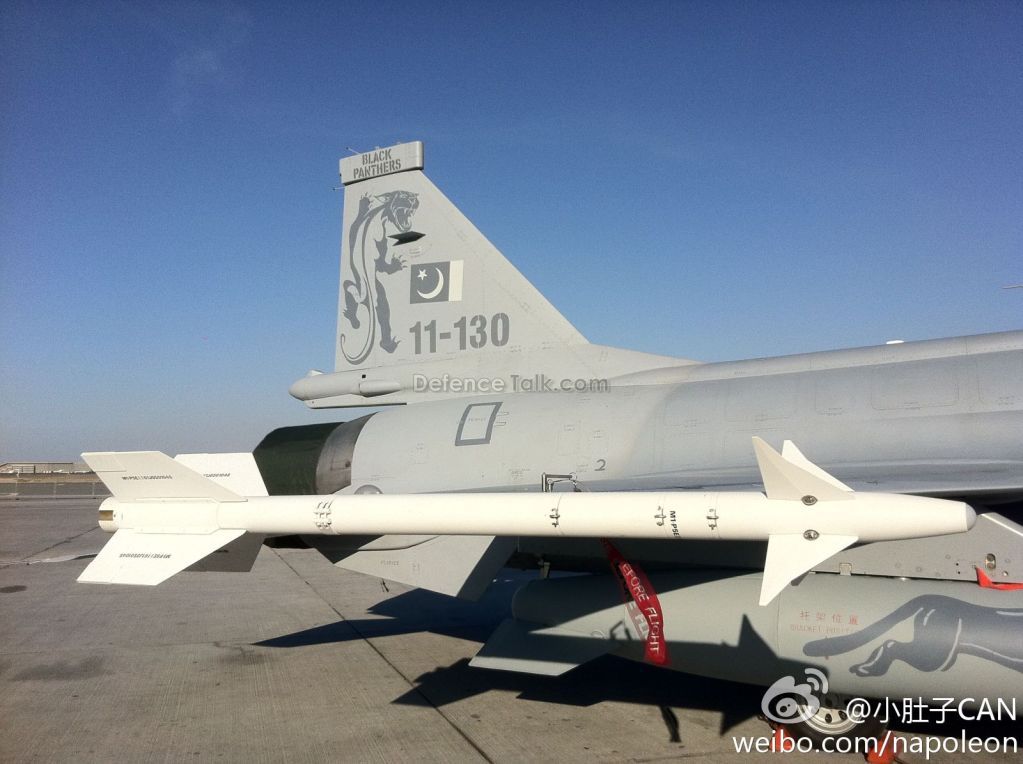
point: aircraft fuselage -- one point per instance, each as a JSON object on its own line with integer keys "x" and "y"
{"x": 930, "y": 417}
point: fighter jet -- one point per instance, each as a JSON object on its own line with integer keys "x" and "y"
{"x": 888, "y": 559}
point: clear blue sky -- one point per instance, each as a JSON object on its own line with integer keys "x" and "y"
{"x": 710, "y": 180}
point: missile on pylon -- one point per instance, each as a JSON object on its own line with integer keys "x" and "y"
{"x": 167, "y": 516}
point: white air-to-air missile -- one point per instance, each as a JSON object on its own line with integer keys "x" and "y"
{"x": 168, "y": 516}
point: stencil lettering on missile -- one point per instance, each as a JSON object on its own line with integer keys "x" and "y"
{"x": 364, "y": 294}
{"x": 477, "y": 425}
{"x": 943, "y": 629}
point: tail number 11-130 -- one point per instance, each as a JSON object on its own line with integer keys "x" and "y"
{"x": 472, "y": 332}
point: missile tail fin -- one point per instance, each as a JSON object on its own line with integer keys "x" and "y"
{"x": 140, "y": 475}
{"x": 236, "y": 472}
{"x": 147, "y": 559}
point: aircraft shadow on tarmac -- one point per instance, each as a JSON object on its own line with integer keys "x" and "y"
{"x": 413, "y": 612}
{"x": 608, "y": 678}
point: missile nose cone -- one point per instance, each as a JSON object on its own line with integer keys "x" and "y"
{"x": 970, "y": 515}
{"x": 298, "y": 389}
{"x": 309, "y": 386}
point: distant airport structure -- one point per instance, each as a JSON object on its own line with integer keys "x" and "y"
{"x": 37, "y": 468}
{"x": 49, "y": 480}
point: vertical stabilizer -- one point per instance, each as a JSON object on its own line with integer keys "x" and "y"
{"x": 425, "y": 299}
{"x": 419, "y": 282}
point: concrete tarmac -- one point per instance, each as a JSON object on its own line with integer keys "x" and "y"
{"x": 299, "y": 661}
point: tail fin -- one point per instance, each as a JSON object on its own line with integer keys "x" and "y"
{"x": 147, "y": 559}
{"x": 424, "y": 293}
{"x": 236, "y": 472}
{"x": 175, "y": 540}
{"x": 135, "y": 475}
{"x": 410, "y": 259}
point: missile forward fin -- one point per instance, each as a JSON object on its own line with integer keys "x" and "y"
{"x": 790, "y": 555}
{"x": 796, "y": 477}
{"x": 134, "y": 557}
{"x": 794, "y": 455}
